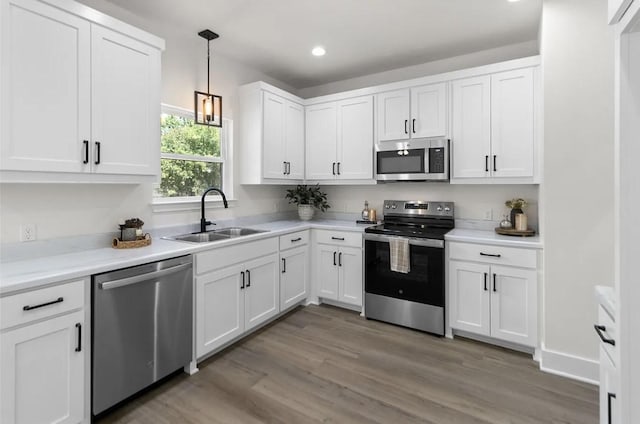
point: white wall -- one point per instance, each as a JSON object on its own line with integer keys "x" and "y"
{"x": 577, "y": 194}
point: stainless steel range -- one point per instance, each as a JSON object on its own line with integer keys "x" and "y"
{"x": 414, "y": 297}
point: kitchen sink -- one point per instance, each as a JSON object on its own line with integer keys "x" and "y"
{"x": 215, "y": 235}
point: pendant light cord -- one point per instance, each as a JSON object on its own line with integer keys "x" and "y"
{"x": 208, "y": 66}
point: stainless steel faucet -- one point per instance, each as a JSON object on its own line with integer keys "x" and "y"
{"x": 203, "y": 221}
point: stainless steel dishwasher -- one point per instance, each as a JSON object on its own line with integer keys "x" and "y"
{"x": 142, "y": 328}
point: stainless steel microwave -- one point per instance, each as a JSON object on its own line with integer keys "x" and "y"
{"x": 414, "y": 160}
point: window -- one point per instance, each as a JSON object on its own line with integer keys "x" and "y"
{"x": 192, "y": 157}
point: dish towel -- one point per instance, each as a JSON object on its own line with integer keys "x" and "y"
{"x": 399, "y": 252}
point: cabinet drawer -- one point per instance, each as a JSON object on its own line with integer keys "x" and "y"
{"x": 512, "y": 256}
{"x": 608, "y": 332}
{"x": 296, "y": 239}
{"x": 225, "y": 256}
{"x": 340, "y": 238}
{"x": 41, "y": 303}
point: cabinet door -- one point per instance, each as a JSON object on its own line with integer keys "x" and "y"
{"x": 294, "y": 140}
{"x": 393, "y": 115}
{"x": 512, "y": 123}
{"x": 469, "y": 287}
{"x": 294, "y": 270}
{"x": 273, "y": 133}
{"x": 350, "y": 271}
{"x": 428, "y": 111}
{"x": 125, "y": 104}
{"x": 321, "y": 136}
{"x": 43, "y": 373}
{"x": 355, "y": 138}
{"x": 609, "y": 405}
{"x": 219, "y": 308}
{"x": 514, "y": 305}
{"x": 45, "y": 88}
{"x": 327, "y": 271}
{"x": 471, "y": 127}
{"x": 262, "y": 290}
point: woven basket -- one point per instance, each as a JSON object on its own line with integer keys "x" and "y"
{"x": 141, "y": 242}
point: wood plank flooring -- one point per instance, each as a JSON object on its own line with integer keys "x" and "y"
{"x": 324, "y": 364}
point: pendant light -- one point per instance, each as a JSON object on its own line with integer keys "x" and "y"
{"x": 207, "y": 106}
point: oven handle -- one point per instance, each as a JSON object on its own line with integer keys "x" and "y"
{"x": 413, "y": 241}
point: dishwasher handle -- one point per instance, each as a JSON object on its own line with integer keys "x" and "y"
{"x": 143, "y": 277}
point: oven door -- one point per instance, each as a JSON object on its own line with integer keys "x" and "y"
{"x": 423, "y": 284}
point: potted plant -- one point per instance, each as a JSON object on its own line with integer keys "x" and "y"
{"x": 516, "y": 206}
{"x": 307, "y": 198}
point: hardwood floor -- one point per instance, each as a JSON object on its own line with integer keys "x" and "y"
{"x": 324, "y": 364}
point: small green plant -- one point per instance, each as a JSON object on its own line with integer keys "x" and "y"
{"x": 516, "y": 203}
{"x": 305, "y": 195}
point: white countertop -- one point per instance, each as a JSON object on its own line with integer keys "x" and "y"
{"x": 605, "y": 296}
{"x": 492, "y": 238}
{"x": 20, "y": 275}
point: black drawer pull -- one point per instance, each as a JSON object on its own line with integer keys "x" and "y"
{"x": 79, "y": 345}
{"x": 53, "y": 302}
{"x": 296, "y": 239}
{"x": 609, "y": 397}
{"x": 599, "y": 330}
{"x": 337, "y": 238}
{"x": 490, "y": 254}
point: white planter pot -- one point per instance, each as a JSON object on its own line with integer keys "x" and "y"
{"x": 305, "y": 212}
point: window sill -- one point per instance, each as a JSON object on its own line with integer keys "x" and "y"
{"x": 186, "y": 205}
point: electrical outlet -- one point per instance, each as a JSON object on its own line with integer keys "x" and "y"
{"x": 488, "y": 215}
{"x": 27, "y": 232}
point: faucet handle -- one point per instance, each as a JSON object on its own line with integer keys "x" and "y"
{"x": 209, "y": 223}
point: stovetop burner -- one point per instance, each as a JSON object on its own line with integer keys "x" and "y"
{"x": 420, "y": 219}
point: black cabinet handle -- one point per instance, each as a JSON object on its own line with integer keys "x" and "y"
{"x": 340, "y": 259}
{"x": 284, "y": 165}
{"x": 485, "y": 281}
{"x": 284, "y": 265}
{"x": 79, "y": 345}
{"x": 609, "y": 397}
{"x": 413, "y": 125}
{"x": 288, "y": 168}
{"x": 494, "y": 283}
{"x": 248, "y": 278}
{"x": 338, "y": 168}
{"x": 97, "y": 161}
{"x": 490, "y": 254}
{"x": 486, "y": 163}
{"x": 406, "y": 121}
{"x": 334, "y": 168}
{"x": 86, "y": 151}
{"x": 53, "y": 302}
{"x": 494, "y": 163}
{"x": 296, "y": 239}
{"x": 242, "y": 286}
{"x": 337, "y": 238}
{"x": 599, "y": 329}
{"x": 334, "y": 258}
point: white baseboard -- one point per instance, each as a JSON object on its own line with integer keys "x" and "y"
{"x": 570, "y": 366}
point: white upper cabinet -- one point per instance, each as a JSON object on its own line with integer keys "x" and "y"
{"x": 294, "y": 140}
{"x": 321, "y": 140}
{"x": 273, "y": 110}
{"x": 80, "y": 101}
{"x": 494, "y": 128}
{"x": 616, "y": 9}
{"x": 412, "y": 113}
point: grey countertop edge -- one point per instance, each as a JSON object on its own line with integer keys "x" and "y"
{"x": 24, "y": 275}
{"x": 492, "y": 238}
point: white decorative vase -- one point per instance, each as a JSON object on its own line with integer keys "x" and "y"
{"x": 305, "y": 212}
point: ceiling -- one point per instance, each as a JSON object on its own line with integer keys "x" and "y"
{"x": 361, "y": 36}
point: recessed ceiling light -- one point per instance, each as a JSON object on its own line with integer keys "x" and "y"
{"x": 318, "y": 51}
{"x": 513, "y": 1}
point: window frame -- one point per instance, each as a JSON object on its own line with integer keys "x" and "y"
{"x": 173, "y": 204}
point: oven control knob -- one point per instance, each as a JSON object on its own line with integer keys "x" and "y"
{"x": 386, "y": 206}
{"x": 439, "y": 208}
{"x": 394, "y": 206}
{"x": 447, "y": 209}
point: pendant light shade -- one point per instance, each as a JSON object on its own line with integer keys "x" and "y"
{"x": 208, "y": 106}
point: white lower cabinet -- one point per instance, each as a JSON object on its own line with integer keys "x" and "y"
{"x": 294, "y": 273}
{"x": 42, "y": 360}
{"x": 236, "y": 298}
{"x": 609, "y": 413}
{"x": 490, "y": 299}
{"x": 339, "y": 267}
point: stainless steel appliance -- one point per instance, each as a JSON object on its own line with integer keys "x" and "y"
{"x": 414, "y": 160}
{"x": 142, "y": 328}
{"x": 415, "y": 299}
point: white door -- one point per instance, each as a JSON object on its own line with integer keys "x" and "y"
{"x": 45, "y": 88}
{"x": 471, "y": 127}
{"x": 327, "y": 271}
{"x": 429, "y": 111}
{"x": 514, "y": 305}
{"x": 393, "y": 115}
{"x": 469, "y": 287}
{"x": 274, "y": 109}
{"x": 43, "y": 372}
{"x": 293, "y": 276}
{"x": 125, "y": 99}
{"x": 355, "y": 139}
{"x": 350, "y": 275}
{"x": 321, "y": 138}
{"x": 219, "y": 308}
{"x": 512, "y": 123}
{"x": 294, "y": 140}
{"x": 609, "y": 404}
{"x": 262, "y": 290}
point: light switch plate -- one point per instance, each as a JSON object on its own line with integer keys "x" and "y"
{"x": 28, "y": 232}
